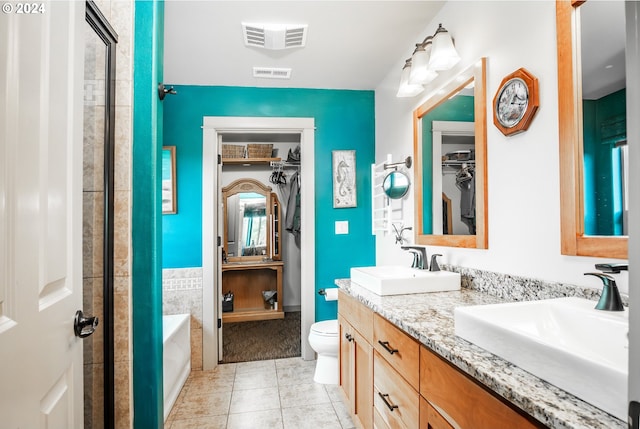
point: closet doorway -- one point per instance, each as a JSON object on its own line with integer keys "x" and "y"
{"x": 229, "y": 130}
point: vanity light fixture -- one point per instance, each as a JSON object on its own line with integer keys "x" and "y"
{"x": 435, "y": 53}
{"x": 421, "y": 73}
{"x": 443, "y": 54}
{"x": 407, "y": 89}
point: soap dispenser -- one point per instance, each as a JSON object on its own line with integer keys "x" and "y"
{"x": 610, "y": 299}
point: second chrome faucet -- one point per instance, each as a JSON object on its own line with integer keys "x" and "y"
{"x": 420, "y": 258}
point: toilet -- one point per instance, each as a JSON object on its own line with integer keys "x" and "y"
{"x": 323, "y": 338}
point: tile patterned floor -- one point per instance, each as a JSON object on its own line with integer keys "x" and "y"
{"x": 271, "y": 394}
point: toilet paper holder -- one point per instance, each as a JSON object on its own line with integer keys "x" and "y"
{"x": 330, "y": 294}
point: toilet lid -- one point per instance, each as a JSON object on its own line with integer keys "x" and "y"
{"x": 327, "y": 327}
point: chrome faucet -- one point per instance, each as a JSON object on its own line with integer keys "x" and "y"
{"x": 419, "y": 256}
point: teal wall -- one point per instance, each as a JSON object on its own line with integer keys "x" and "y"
{"x": 457, "y": 109}
{"x": 344, "y": 120}
{"x": 603, "y": 213}
{"x": 146, "y": 270}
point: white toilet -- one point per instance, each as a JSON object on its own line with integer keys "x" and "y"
{"x": 323, "y": 338}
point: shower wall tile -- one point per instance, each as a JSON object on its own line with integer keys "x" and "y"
{"x": 105, "y": 8}
{"x": 122, "y": 376}
{"x": 122, "y": 233}
{"x": 122, "y": 285}
{"x": 121, "y": 327}
{"x": 123, "y": 93}
{"x": 98, "y": 397}
{"x": 93, "y": 140}
{"x": 92, "y": 305}
{"x": 196, "y": 349}
{"x": 122, "y": 155}
{"x": 92, "y": 227}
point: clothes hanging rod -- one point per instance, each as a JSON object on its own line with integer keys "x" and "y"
{"x": 457, "y": 162}
{"x": 284, "y": 164}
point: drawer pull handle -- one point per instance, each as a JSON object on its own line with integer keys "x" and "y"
{"x": 349, "y": 337}
{"x": 384, "y": 397}
{"x": 385, "y": 344}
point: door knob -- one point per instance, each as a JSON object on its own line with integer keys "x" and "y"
{"x": 84, "y": 326}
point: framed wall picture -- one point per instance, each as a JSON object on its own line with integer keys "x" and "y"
{"x": 344, "y": 178}
{"x": 169, "y": 180}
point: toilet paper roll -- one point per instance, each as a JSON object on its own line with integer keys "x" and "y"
{"x": 331, "y": 294}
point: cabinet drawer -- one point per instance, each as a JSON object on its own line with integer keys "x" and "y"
{"x": 464, "y": 401}
{"x": 396, "y": 402}
{"x": 399, "y": 349}
{"x": 357, "y": 314}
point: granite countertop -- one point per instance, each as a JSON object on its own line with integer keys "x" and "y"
{"x": 428, "y": 317}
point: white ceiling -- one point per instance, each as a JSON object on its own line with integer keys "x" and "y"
{"x": 350, "y": 44}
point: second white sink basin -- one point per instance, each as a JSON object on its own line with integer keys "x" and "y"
{"x": 399, "y": 280}
{"x": 564, "y": 341}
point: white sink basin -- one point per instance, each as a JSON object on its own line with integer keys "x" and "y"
{"x": 398, "y": 280}
{"x": 564, "y": 341}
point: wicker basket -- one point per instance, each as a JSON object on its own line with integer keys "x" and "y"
{"x": 233, "y": 151}
{"x": 260, "y": 150}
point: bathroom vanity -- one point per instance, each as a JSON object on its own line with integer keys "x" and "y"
{"x": 401, "y": 366}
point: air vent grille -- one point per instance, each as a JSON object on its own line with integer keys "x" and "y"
{"x": 272, "y": 72}
{"x": 275, "y": 36}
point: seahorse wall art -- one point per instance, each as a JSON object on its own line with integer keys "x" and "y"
{"x": 344, "y": 178}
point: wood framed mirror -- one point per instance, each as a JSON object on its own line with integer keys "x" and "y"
{"x": 251, "y": 222}
{"x": 583, "y": 201}
{"x": 463, "y": 99}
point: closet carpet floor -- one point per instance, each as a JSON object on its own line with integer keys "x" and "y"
{"x": 268, "y": 394}
{"x": 261, "y": 340}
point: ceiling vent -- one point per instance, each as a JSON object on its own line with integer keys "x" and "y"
{"x": 272, "y": 73}
{"x": 275, "y": 36}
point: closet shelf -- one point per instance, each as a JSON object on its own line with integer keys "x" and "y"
{"x": 249, "y": 161}
{"x": 250, "y": 315}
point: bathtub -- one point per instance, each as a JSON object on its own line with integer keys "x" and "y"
{"x": 176, "y": 361}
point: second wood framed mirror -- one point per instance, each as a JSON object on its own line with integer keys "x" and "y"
{"x": 450, "y": 144}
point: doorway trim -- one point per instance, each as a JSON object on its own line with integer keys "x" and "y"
{"x": 213, "y": 126}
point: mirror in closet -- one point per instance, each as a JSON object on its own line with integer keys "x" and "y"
{"x": 450, "y": 140}
{"x": 252, "y": 271}
{"x": 592, "y": 125}
{"x": 251, "y": 221}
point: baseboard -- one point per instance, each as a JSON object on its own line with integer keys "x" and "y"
{"x": 290, "y": 308}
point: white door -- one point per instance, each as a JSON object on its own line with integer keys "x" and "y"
{"x": 41, "y": 78}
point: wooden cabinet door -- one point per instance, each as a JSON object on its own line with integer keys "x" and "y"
{"x": 430, "y": 418}
{"x": 356, "y": 373}
{"x": 345, "y": 359}
{"x": 363, "y": 379}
